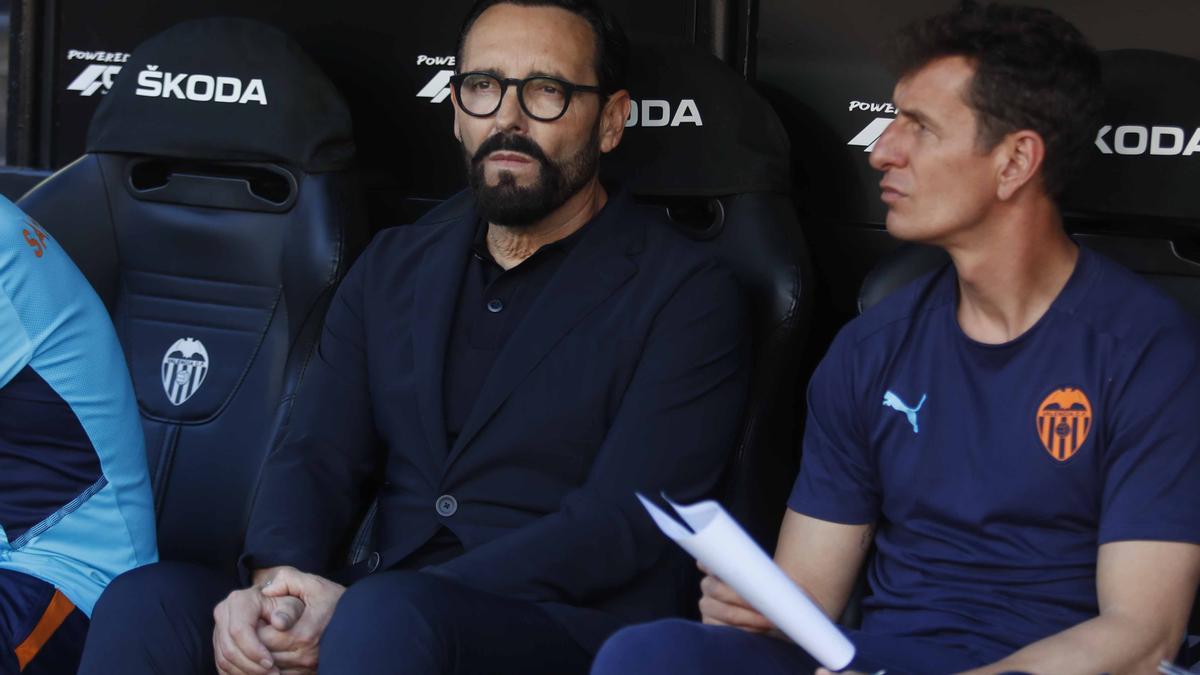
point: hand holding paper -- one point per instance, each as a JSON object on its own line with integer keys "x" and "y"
{"x": 721, "y": 545}
{"x": 721, "y": 605}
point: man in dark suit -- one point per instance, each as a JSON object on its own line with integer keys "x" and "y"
{"x": 507, "y": 371}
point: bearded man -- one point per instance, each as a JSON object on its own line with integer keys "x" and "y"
{"x": 501, "y": 376}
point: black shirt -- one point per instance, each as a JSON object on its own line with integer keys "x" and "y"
{"x": 492, "y": 302}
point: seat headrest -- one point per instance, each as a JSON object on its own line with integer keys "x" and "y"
{"x": 697, "y": 129}
{"x": 1145, "y": 160}
{"x": 228, "y": 90}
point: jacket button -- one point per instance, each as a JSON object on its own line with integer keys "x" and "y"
{"x": 446, "y": 505}
{"x": 495, "y": 305}
{"x": 373, "y": 562}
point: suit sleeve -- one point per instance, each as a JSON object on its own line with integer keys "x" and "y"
{"x": 674, "y": 431}
{"x": 15, "y": 347}
{"x": 312, "y": 485}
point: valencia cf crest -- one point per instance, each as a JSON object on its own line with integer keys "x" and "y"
{"x": 1063, "y": 421}
{"x": 183, "y": 369}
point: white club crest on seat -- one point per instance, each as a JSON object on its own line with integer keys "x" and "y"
{"x": 183, "y": 369}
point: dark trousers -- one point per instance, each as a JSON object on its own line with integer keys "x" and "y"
{"x": 678, "y": 646}
{"x": 41, "y": 631}
{"x": 158, "y": 619}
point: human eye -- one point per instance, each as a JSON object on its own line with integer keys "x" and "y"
{"x": 479, "y": 83}
{"x": 916, "y": 125}
{"x": 546, "y": 88}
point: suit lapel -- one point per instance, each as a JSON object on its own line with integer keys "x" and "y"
{"x": 599, "y": 264}
{"x": 437, "y": 287}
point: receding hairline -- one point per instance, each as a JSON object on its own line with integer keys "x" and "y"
{"x": 593, "y": 67}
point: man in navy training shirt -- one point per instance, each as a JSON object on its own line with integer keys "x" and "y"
{"x": 510, "y": 370}
{"x": 1018, "y": 433}
{"x": 75, "y": 503}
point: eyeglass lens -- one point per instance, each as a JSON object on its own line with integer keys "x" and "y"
{"x": 543, "y": 98}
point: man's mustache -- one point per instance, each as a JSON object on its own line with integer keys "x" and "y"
{"x": 511, "y": 143}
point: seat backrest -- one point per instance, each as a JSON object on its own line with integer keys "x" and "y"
{"x": 214, "y": 212}
{"x": 704, "y": 145}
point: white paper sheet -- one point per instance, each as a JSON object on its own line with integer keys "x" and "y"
{"x": 717, "y": 541}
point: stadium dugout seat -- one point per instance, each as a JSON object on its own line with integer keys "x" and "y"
{"x": 705, "y": 146}
{"x": 1133, "y": 199}
{"x": 214, "y": 212}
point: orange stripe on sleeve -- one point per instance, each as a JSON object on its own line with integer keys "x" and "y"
{"x": 56, "y": 613}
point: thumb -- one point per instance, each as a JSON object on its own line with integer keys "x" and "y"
{"x": 285, "y": 583}
{"x": 284, "y": 612}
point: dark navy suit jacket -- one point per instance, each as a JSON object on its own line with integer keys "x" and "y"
{"x": 628, "y": 373}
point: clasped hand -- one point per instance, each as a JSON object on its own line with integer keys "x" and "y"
{"x": 274, "y": 628}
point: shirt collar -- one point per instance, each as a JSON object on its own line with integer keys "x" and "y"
{"x": 480, "y": 248}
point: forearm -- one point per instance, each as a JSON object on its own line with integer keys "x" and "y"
{"x": 1111, "y": 643}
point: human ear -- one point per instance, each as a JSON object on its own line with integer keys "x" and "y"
{"x": 1021, "y": 158}
{"x": 612, "y": 120}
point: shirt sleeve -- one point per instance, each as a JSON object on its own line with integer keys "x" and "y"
{"x": 1152, "y": 463}
{"x": 15, "y": 347}
{"x": 837, "y": 480}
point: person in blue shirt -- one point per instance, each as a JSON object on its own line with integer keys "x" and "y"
{"x": 1018, "y": 433}
{"x": 75, "y": 503}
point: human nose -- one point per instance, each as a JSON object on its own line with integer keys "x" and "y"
{"x": 510, "y": 116}
{"x": 888, "y": 151}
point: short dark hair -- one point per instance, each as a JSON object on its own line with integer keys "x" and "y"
{"x": 612, "y": 46}
{"x": 1033, "y": 70}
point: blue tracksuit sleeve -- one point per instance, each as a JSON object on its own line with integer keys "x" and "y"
{"x": 15, "y": 346}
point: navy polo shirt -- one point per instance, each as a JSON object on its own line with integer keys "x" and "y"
{"x": 994, "y": 472}
{"x": 492, "y": 302}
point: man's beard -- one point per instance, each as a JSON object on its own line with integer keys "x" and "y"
{"x": 511, "y": 205}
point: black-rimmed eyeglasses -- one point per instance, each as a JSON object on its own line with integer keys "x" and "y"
{"x": 542, "y": 98}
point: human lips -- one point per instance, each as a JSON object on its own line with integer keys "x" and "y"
{"x": 890, "y": 194}
{"x": 512, "y": 159}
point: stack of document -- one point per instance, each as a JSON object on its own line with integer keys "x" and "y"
{"x": 714, "y": 538}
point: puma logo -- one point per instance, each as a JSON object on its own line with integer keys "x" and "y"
{"x": 893, "y": 401}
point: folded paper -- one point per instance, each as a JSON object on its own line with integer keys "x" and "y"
{"x": 714, "y": 538}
